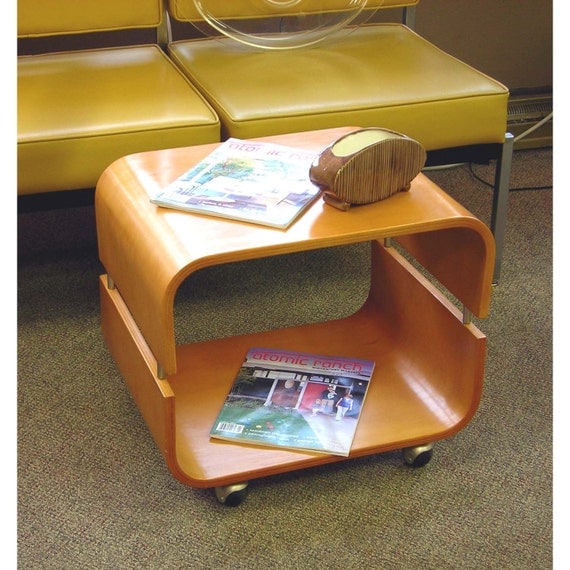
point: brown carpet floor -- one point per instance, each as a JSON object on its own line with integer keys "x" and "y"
{"x": 94, "y": 492}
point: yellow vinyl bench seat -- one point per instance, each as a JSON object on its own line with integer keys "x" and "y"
{"x": 378, "y": 75}
{"x": 80, "y": 110}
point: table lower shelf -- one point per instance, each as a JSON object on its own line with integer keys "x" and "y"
{"x": 426, "y": 385}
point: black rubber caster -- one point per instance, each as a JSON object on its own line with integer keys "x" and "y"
{"x": 419, "y": 455}
{"x": 231, "y": 495}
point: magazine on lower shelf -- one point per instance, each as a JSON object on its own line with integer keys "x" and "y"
{"x": 295, "y": 400}
{"x": 249, "y": 181}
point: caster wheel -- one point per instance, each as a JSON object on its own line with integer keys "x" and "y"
{"x": 419, "y": 455}
{"x": 231, "y": 495}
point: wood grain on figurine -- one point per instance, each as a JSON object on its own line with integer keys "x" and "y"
{"x": 367, "y": 165}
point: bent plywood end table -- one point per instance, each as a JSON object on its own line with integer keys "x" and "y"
{"x": 429, "y": 355}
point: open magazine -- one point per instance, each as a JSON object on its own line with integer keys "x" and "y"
{"x": 295, "y": 400}
{"x": 244, "y": 180}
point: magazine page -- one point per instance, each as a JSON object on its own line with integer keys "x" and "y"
{"x": 296, "y": 401}
{"x": 249, "y": 181}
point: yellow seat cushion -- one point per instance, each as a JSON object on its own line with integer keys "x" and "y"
{"x": 379, "y": 75}
{"x": 80, "y": 111}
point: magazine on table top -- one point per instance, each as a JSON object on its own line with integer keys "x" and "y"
{"x": 249, "y": 181}
{"x": 295, "y": 400}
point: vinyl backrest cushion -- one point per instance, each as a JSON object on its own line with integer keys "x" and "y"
{"x": 38, "y": 18}
{"x": 185, "y": 10}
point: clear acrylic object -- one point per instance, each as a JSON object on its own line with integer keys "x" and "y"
{"x": 278, "y": 24}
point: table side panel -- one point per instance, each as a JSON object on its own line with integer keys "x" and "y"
{"x": 442, "y": 358}
{"x": 141, "y": 262}
{"x": 461, "y": 259}
{"x": 153, "y": 397}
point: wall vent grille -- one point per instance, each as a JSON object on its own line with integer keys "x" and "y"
{"x": 528, "y": 110}
{"x": 523, "y": 113}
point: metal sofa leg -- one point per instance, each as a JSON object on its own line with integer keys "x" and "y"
{"x": 500, "y": 201}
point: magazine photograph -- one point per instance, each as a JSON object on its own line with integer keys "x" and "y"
{"x": 296, "y": 401}
{"x": 248, "y": 181}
